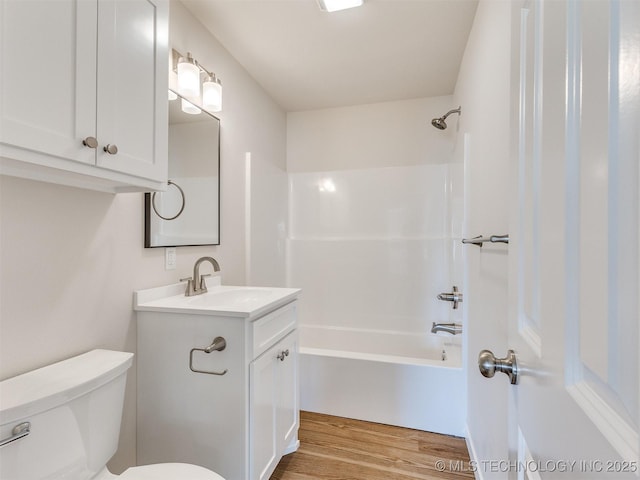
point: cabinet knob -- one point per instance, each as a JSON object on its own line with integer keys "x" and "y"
{"x": 111, "y": 149}
{"x": 90, "y": 142}
{"x": 281, "y": 356}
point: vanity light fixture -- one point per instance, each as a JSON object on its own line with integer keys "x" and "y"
{"x": 335, "y": 5}
{"x": 212, "y": 93}
{"x": 192, "y": 78}
{"x": 188, "y": 77}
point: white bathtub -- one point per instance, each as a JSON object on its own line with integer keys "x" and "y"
{"x": 393, "y": 378}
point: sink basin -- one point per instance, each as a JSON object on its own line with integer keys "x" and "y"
{"x": 219, "y": 300}
{"x": 232, "y": 296}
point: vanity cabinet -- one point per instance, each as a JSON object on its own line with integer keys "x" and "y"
{"x": 238, "y": 412}
{"x": 83, "y": 92}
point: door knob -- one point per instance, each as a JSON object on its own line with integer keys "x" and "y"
{"x": 90, "y": 142}
{"x": 489, "y": 365}
{"x": 111, "y": 149}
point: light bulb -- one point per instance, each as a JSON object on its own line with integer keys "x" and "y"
{"x": 188, "y": 77}
{"x": 212, "y": 94}
{"x": 190, "y": 108}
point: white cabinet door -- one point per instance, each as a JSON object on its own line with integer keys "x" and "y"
{"x": 287, "y": 407}
{"x": 48, "y": 81}
{"x": 274, "y": 406}
{"x": 262, "y": 414}
{"x": 129, "y": 95}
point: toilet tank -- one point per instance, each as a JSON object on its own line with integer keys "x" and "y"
{"x": 74, "y": 408}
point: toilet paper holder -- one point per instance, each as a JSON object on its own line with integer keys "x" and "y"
{"x": 217, "y": 345}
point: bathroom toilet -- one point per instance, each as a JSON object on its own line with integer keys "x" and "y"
{"x": 62, "y": 421}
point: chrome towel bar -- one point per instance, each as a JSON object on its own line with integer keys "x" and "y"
{"x": 479, "y": 240}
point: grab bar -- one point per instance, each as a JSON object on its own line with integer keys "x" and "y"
{"x": 19, "y": 431}
{"x": 479, "y": 240}
{"x": 218, "y": 344}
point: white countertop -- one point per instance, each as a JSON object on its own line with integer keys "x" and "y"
{"x": 220, "y": 300}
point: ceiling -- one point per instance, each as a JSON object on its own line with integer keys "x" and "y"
{"x": 308, "y": 59}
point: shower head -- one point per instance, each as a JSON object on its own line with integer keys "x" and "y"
{"x": 440, "y": 123}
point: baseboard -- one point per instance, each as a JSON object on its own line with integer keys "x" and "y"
{"x": 472, "y": 453}
{"x": 292, "y": 447}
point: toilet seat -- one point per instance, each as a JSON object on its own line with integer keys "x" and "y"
{"x": 169, "y": 471}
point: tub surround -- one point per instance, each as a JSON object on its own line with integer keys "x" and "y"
{"x": 374, "y": 236}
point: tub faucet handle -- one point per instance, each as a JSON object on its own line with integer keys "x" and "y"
{"x": 455, "y": 297}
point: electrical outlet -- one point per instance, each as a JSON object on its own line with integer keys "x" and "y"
{"x": 170, "y": 259}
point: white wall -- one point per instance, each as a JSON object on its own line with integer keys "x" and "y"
{"x": 250, "y": 122}
{"x": 369, "y": 136}
{"x": 482, "y": 144}
{"x": 370, "y": 209}
{"x": 70, "y": 258}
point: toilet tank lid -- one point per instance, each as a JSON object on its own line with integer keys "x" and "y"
{"x": 48, "y": 387}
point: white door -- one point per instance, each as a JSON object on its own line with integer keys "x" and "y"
{"x": 573, "y": 256}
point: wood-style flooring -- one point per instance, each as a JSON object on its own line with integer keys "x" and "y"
{"x": 335, "y": 448}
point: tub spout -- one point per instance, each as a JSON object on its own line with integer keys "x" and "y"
{"x": 452, "y": 328}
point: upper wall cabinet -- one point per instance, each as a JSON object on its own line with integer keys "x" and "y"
{"x": 83, "y": 92}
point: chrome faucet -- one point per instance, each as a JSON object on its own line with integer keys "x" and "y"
{"x": 197, "y": 284}
{"x": 452, "y": 328}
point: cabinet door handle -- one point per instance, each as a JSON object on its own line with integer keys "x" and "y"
{"x": 90, "y": 142}
{"x": 111, "y": 149}
{"x": 282, "y": 355}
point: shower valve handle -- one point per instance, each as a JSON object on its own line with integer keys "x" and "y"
{"x": 455, "y": 297}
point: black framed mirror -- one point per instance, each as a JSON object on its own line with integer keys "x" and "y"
{"x": 188, "y": 212}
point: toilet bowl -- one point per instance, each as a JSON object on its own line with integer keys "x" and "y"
{"x": 62, "y": 421}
